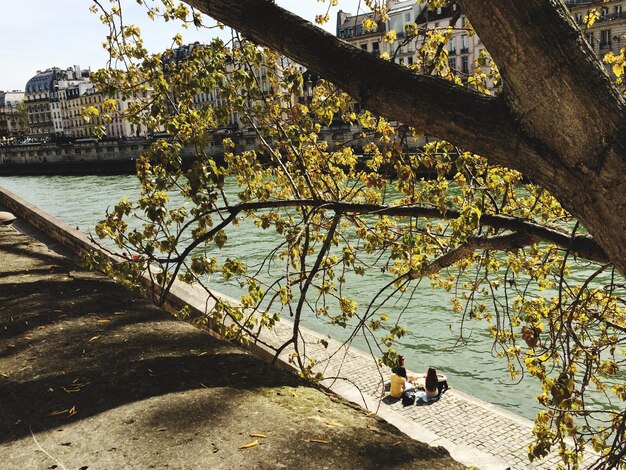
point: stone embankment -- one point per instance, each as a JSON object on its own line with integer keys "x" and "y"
{"x": 82, "y": 156}
{"x": 87, "y": 157}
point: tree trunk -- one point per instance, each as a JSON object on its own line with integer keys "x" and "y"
{"x": 560, "y": 121}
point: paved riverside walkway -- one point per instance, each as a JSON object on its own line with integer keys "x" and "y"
{"x": 476, "y": 433}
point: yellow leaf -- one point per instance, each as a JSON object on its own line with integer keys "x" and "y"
{"x": 104, "y": 321}
{"x": 93, "y": 339}
{"x": 251, "y": 444}
{"x": 58, "y": 412}
{"x": 321, "y": 441}
{"x": 72, "y": 411}
{"x": 256, "y": 434}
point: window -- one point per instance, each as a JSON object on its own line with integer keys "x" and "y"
{"x": 407, "y": 17}
{"x": 590, "y": 39}
{"x": 364, "y": 47}
{"x": 451, "y": 48}
{"x": 464, "y": 64}
{"x": 375, "y": 47}
{"x": 452, "y": 63}
{"x": 579, "y": 18}
{"x": 464, "y": 43}
{"x": 617, "y": 9}
{"x": 410, "y": 60}
{"x": 605, "y": 38}
{"x": 604, "y": 11}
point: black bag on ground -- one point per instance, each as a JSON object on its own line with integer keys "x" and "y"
{"x": 408, "y": 397}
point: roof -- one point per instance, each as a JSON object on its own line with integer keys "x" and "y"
{"x": 42, "y": 82}
{"x": 352, "y": 25}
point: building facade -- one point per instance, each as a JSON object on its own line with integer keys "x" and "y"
{"x": 13, "y": 118}
{"x": 45, "y": 97}
{"x": 39, "y": 97}
{"x": 55, "y": 100}
{"x": 465, "y": 51}
{"x": 351, "y": 29}
{"x": 604, "y": 25}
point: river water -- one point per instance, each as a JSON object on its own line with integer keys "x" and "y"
{"x": 81, "y": 202}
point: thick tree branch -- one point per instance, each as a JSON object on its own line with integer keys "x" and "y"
{"x": 507, "y": 242}
{"x": 538, "y": 126}
{"x": 551, "y": 76}
{"x": 476, "y": 122}
{"x": 581, "y": 245}
{"x": 566, "y": 104}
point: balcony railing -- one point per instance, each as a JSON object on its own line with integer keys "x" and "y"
{"x": 603, "y": 18}
{"x": 611, "y": 16}
{"x": 351, "y": 32}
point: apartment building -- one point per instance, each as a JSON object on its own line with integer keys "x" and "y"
{"x": 604, "y": 24}
{"x": 465, "y": 51}
{"x": 39, "y": 98}
{"x": 45, "y": 97}
{"x": 351, "y": 28}
{"x": 12, "y": 115}
{"x": 55, "y": 99}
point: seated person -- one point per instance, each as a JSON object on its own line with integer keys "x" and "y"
{"x": 432, "y": 385}
{"x": 400, "y": 367}
{"x": 399, "y": 364}
{"x": 398, "y": 382}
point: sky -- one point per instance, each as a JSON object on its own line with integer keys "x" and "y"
{"x": 39, "y": 34}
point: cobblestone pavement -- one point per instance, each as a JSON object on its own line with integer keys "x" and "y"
{"x": 475, "y": 432}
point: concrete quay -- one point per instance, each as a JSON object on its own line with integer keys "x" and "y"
{"x": 476, "y": 433}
